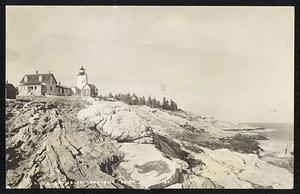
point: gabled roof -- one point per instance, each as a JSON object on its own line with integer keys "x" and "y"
{"x": 76, "y": 88}
{"x": 26, "y": 84}
{"x": 62, "y": 86}
{"x": 9, "y": 86}
{"x": 91, "y": 86}
{"x": 34, "y": 78}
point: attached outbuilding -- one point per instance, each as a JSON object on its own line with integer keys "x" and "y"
{"x": 63, "y": 90}
{"x": 75, "y": 90}
{"x": 88, "y": 90}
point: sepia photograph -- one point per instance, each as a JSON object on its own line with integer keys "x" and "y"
{"x": 149, "y": 97}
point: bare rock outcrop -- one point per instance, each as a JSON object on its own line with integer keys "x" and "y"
{"x": 75, "y": 143}
{"x": 117, "y": 121}
{"x": 237, "y": 170}
{"x": 56, "y": 152}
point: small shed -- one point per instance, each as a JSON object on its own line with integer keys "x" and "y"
{"x": 10, "y": 91}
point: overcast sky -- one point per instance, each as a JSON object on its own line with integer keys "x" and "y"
{"x": 233, "y": 63}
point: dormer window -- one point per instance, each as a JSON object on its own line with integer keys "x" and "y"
{"x": 40, "y": 78}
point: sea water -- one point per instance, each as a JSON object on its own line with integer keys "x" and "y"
{"x": 280, "y": 137}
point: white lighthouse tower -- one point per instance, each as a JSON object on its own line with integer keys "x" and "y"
{"x": 82, "y": 78}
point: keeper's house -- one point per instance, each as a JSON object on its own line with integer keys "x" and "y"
{"x": 40, "y": 85}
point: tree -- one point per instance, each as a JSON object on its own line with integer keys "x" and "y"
{"x": 154, "y": 103}
{"x": 172, "y": 105}
{"x": 128, "y": 99}
{"x": 122, "y": 97}
{"x": 165, "y": 104}
{"x": 149, "y": 102}
{"x": 142, "y": 101}
{"x": 110, "y": 95}
{"x": 134, "y": 99}
{"x": 117, "y": 96}
{"x": 96, "y": 92}
{"x": 175, "y": 106}
{"x": 158, "y": 104}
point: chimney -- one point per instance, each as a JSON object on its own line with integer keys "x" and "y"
{"x": 36, "y": 72}
{"x": 49, "y": 72}
{"x": 58, "y": 83}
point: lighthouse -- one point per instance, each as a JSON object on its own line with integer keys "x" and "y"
{"x": 82, "y": 78}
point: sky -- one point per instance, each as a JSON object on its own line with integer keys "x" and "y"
{"x": 232, "y": 63}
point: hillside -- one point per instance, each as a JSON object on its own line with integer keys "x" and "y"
{"x": 75, "y": 143}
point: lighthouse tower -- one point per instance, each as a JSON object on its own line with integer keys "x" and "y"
{"x": 81, "y": 78}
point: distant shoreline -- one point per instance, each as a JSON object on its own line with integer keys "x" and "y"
{"x": 264, "y": 124}
{"x": 245, "y": 129}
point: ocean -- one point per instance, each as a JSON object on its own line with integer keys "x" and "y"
{"x": 280, "y": 136}
{"x": 276, "y": 131}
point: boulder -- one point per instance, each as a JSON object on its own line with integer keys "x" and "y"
{"x": 148, "y": 166}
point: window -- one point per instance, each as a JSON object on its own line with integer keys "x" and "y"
{"x": 35, "y": 87}
{"x": 52, "y": 82}
{"x": 50, "y": 88}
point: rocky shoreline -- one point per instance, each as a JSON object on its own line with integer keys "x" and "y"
{"x": 244, "y": 128}
{"x": 69, "y": 142}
